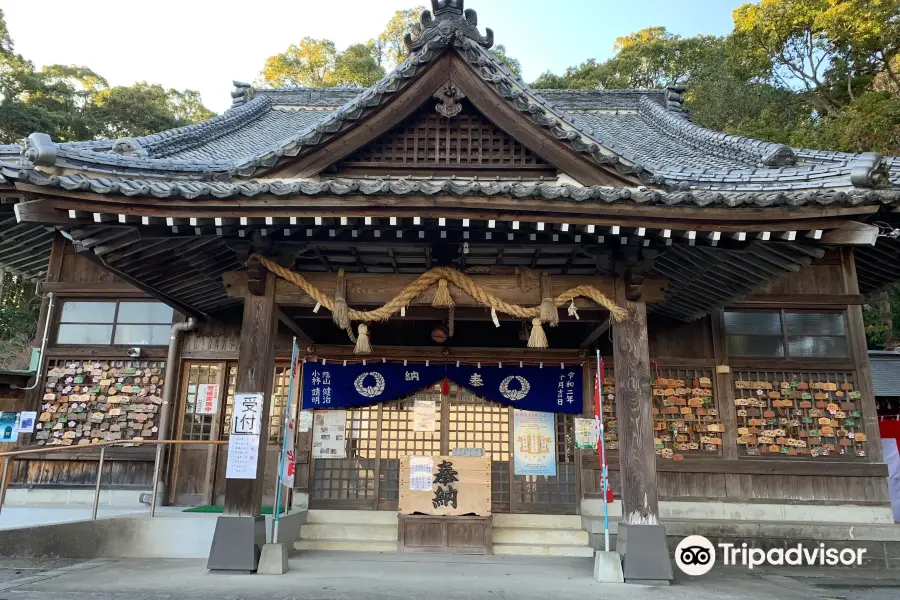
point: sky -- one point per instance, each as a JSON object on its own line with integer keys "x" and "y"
{"x": 206, "y": 44}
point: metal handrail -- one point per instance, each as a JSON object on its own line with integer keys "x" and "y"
{"x": 157, "y": 463}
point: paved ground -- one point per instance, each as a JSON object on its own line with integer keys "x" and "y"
{"x": 355, "y": 576}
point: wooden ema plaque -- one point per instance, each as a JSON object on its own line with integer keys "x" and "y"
{"x": 87, "y": 401}
{"x": 461, "y": 485}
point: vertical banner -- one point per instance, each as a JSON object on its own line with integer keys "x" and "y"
{"x": 243, "y": 442}
{"x": 535, "y": 443}
{"x": 9, "y": 426}
{"x": 329, "y": 434}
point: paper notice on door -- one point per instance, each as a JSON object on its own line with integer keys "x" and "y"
{"x": 421, "y": 469}
{"x": 424, "y": 412}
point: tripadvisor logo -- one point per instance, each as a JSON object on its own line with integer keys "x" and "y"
{"x": 695, "y": 555}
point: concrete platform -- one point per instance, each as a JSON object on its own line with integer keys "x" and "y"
{"x": 171, "y": 534}
{"x": 882, "y": 542}
{"x": 344, "y": 576}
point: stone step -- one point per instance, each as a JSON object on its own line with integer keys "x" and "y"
{"x": 543, "y": 550}
{"x": 540, "y": 537}
{"x": 349, "y": 531}
{"x": 538, "y": 521}
{"x": 368, "y": 517}
{"x": 345, "y": 545}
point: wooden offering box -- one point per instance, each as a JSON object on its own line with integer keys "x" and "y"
{"x": 453, "y": 514}
{"x": 453, "y": 535}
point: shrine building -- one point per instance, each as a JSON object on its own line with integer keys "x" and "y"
{"x": 451, "y": 249}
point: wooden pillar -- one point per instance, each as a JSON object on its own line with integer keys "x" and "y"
{"x": 637, "y": 458}
{"x": 256, "y": 366}
{"x": 859, "y": 352}
{"x": 724, "y": 385}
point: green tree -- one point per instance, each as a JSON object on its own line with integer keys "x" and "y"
{"x": 389, "y": 48}
{"x": 505, "y": 59}
{"x": 142, "y": 109}
{"x": 648, "y": 58}
{"x": 71, "y": 103}
{"x": 308, "y": 63}
{"x": 827, "y": 48}
{"x": 18, "y": 320}
{"x": 356, "y": 66}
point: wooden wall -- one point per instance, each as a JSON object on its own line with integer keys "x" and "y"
{"x": 673, "y": 344}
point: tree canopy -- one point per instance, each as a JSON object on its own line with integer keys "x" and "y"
{"x": 73, "y": 103}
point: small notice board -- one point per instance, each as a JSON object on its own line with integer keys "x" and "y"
{"x": 460, "y": 485}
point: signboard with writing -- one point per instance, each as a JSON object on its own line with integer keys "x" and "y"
{"x": 458, "y": 486}
{"x": 207, "y": 399}
{"x": 587, "y": 431}
{"x": 329, "y": 434}
{"x": 535, "y": 443}
{"x": 243, "y": 443}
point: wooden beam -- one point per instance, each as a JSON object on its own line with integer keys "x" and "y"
{"x": 256, "y": 365}
{"x": 640, "y": 502}
{"x": 302, "y": 338}
{"x": 851, "y": 233}
{"x": 595, "y": 334}
{"x": 151, "y": 291}
{"x": 376, "y": 289}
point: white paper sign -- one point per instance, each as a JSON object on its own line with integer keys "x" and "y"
{"x": 306, "y": 420}
{"x": 243, "y": 443}
{"x": 329, "y": 434}
{"x": 208, "y": 399}
{"x": 421, "y": 469}
{"x": 424, "y": 416}
{"x": 26, "y": 422}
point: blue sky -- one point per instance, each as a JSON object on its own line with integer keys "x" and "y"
{"x": 205, "y": 44}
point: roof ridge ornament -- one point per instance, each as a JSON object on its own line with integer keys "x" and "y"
{"x": 870, "y": 170}
{"x": 39, "y": 149}
{"x": 450, "y": 22}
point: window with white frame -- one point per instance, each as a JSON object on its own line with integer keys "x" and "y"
{"x": 108, "y": 323}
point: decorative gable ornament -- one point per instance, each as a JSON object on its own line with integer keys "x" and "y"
{"x": 448, "y": 100}
{"x": 449, "y": 22}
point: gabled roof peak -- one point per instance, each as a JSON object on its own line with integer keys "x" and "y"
{"x": 449, "y": 22}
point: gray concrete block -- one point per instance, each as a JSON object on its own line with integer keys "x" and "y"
{"x": 608, "y": 567}
{"x": 273, "y": 560}
{"x": 237, "y": 544}
{"x": 645, "y": 554}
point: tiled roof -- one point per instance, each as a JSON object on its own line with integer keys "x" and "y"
{"x": 644, "y": 133}
{"x": 452, "y": 187}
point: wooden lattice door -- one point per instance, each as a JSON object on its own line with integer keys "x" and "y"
{"x": 378, "y": 436}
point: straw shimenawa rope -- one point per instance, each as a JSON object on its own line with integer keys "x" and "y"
{"x": 435, "y": 275}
